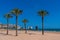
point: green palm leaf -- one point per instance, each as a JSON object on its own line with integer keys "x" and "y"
{"x": 16, "y": 11}
{"x": 42, "y": 12}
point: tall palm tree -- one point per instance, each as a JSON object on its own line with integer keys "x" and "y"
{"x": 16, "y": 12}
{"x": 25, "y": 21}
{"x": 42, "y": 13}
{"x": 7, "y": 16}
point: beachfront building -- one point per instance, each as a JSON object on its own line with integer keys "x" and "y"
{"x": 11, "y": 26}
{"x": 18, "y": 26}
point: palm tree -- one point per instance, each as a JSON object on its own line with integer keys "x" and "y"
{"x": 16, "y": 12}
{"x": 42, "y": 13}
{"x": 25, "y": 21}
{"x": 7, "y": 16}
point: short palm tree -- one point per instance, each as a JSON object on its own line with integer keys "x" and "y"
{"x": 25, "y": 21}
{"x": 7, "y": 16}
{"x": 16, "y": 12}
{"x": 42, "y": 13}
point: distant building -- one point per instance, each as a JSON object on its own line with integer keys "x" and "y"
{"x": 11, "y": 26}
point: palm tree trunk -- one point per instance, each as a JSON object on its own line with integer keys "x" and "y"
{"x": 16, "y": 24}
{"x": 7, "y": 26}
{"x": 42, "y": 25}
{"x": 25, "y": 27}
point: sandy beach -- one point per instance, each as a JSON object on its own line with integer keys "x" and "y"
{"x": 31, "y": 35}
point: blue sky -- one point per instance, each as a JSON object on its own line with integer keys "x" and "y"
{"x": 30, "y": 9}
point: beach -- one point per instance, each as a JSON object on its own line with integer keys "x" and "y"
{"x": 31, "y": 35}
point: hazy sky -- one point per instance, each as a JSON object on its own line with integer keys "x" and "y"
{"x": 30, "y": 9}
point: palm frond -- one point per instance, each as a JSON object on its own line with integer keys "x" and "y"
{"x": 16, "y": 11}
{"x": 8, "y": 16}
{"x": 42, "y": 12}
{"x": 25, "y": 21}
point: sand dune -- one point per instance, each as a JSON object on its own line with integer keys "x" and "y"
{"x": 31, "y": 35}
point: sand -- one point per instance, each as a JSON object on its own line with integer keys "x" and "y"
{"x": 31, "y": 35}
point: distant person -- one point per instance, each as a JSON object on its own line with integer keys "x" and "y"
{"x": 36, "y": 27}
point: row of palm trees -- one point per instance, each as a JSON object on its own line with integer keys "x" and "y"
{"x": 18, "y": 12}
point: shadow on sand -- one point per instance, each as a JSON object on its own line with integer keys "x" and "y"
{"x": 6, "y": 34}
{"x": 32, "y": 34}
